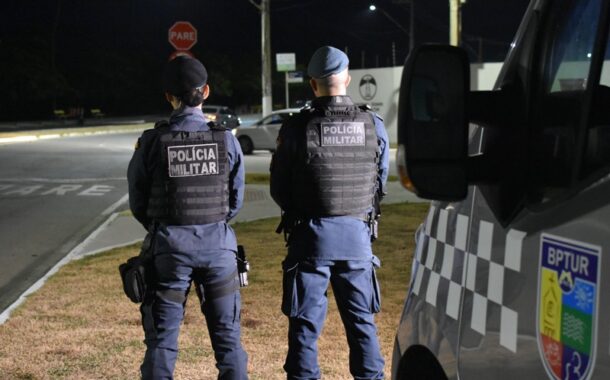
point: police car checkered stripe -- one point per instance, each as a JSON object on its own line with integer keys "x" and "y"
{"x": 443, "y": 263}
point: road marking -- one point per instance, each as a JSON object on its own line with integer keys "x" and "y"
{"x": 26, "y": 190}
{"x": 62, "y": 180}
{"x": 85, "y": 190}
{"x": 62, "y": 189}
{"x": 96, "y": 190}
{"x": 115, "y": 205}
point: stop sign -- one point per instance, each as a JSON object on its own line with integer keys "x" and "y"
{"x": 182, "y": 35}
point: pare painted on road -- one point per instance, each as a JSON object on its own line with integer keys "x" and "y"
{"x": 17, "y": 190}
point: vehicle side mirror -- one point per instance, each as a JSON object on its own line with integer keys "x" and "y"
{"x": 433, "y": 122}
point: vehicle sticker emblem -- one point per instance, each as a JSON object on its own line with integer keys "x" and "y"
{"x": 567, "y": 306}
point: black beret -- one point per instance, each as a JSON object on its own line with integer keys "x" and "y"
{"x": 183, "y": 74}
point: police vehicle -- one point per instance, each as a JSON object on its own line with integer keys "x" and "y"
{"x": 509, "y": 279}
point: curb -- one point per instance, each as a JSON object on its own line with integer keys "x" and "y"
{"x": 44, "y": 134}
{"x": 74, "y": 254}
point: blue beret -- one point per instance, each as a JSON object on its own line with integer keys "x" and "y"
{"x": 183, "y": 74}
{"x": 327, "y": 61}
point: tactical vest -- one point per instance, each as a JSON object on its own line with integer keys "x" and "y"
{"x": 191, "y": 184}
{"x": 339, "y": 172}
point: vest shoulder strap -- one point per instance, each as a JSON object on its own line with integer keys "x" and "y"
{"x": 216, "y": 126}
{"x": 365, "y": 107}
{"x": 161, "y": 124}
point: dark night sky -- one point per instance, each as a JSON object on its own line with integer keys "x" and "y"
{"x": 98, "y": 43}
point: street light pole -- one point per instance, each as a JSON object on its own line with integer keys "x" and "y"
{"x": 411, "y": 31}
{"x": 386, "y": 14}
{"x": 412, "y": 25}
{"x": 267, "y": 101}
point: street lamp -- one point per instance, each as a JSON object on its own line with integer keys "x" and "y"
{"x": 411, "y": 31}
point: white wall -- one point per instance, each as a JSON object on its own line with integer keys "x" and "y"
{"x": 380, "y": 87}
{"x": 382, "y": 96}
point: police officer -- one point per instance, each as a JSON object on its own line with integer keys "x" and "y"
{"x": 186, "y": 181}
{"x": 330, "y": 165}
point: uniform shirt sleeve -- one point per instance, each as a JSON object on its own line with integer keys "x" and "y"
{"x": 236, "y": 176}
{"x": 384, "y": 158}
{"x": 281, "y": 165}
{"x": 139, "y": 180}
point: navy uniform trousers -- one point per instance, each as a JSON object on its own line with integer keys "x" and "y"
{"x": 163, "y": 311}
{"x": 305, "y": 303}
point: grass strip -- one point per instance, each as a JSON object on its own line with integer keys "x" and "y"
{"x": 80, "y": 325}
{"x": 257, "y": 178}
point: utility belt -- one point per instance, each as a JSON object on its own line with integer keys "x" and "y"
{"x": 137, "y": 274}
{"x": 288, "y": 223}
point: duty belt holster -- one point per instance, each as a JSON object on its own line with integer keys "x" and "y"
{"x": 373, "y": 218}
{"x": 287, "y": 224}
{"x": 243, "y": 266}
{"x": 136, "y": 272}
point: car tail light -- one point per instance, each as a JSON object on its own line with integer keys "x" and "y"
{"x": 401, "y": 164}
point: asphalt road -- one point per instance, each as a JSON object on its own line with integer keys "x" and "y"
{"x": 53, "y": 193}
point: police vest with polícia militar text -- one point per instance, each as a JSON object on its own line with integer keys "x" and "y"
{"x": 339, "y": 175}
{"x": 191, "y": 186}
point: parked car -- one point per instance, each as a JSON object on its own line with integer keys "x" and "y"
{"x": 262, "y": 134}
{"x": 509, "y": 280}
{"x": 222, "y": 115}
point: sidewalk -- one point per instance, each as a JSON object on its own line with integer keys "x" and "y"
{"x": 122, "y": 229}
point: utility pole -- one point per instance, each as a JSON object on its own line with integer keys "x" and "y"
{"x": 54, "y": 50}
{"x": 455, "y": 21}
{"x": 267, "y": 101}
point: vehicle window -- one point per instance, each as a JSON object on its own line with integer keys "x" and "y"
{"x": 265, "y": 121}
{"x": 275, "y": 119}
{"x": 209, "y": 109}
{"x": 571, "y": 33}
{"x": 570, "y": 54}
{"x": 597, "y": 150}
